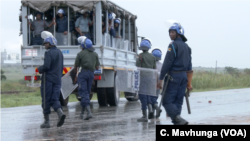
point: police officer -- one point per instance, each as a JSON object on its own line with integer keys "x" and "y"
{"x": 52, "y": 73}
{"x": 176, "y": 63}
{"x": 111, "y": 29}
{"x": 87, "y": 61}
{"x": 157, "y": 54}
{"x": 145, "y": 60}
{"x": 62, "y": 28}
{"x": 117, "y": 23}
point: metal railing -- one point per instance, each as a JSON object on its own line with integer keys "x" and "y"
{"x": 118, "y": 43}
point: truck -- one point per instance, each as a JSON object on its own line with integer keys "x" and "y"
{"x": 112, "y": 51}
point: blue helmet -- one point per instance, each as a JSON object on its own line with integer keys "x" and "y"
{"x": 117, "y": 21}
{"x": 157, "y": 54}
{"x": 61, "y": 11}
{"x": 51, "y": 40}
{"x": 87, "y": 44}
{"x": 179, "y": 29}
{"x": 39, "y": 13}
{"x": 145, "y": 44}
{"x": 110, "y": 17}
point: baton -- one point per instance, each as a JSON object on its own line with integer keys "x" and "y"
{"x": 187, "y": 94}
{"x": 158, "y": 112}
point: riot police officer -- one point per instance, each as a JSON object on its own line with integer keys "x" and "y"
{"x": 177, "y": 62}
{"x": 157, "y": 54}
{"x": 87, "y": 61}
{"x": 145, "y": 60}
{"x": 52, "y": 70}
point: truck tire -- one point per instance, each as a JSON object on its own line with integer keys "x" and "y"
{"x": 113, "y": 96}
{"x": 130, "y": 94}
{"x": 64, "y": 102}
{"x": 101, "y": 96}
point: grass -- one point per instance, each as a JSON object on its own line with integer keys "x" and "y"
{"x": 25, "y": 99}
{"x": 207, "y": 81}
{"x": 202, "y": 81}
{"x": 33, "y": 98}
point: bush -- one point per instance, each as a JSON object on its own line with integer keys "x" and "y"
{"x": 231, "y": 70}
{"x": 3, "y": 77}
{"x": 247, "y": 71}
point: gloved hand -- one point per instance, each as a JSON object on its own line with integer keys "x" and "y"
{"x": 73, "y": 76}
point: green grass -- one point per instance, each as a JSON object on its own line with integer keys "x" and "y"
{"x": 33, "y": 98}
{"x": 25, "y": 99}
{"x": 202, "y": 81}
{"x": 206, "y": 81}
{"x": 20, "y": 85}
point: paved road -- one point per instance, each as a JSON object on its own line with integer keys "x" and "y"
{"x": 119, "y": 123}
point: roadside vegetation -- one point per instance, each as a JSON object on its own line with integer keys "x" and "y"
{"x": 3, "y": 77}
{"x": 229, "y": 78}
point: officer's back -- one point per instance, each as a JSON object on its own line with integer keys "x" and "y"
{"x": 182, "y": 52}
{"x": 87, "y": 59}
{"x": 54, "y": 61}
{"x": 146, "y": 60}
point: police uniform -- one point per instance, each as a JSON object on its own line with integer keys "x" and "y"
{"x": 153, "y": 99}
{"x": 118, "y": 21}
{"x": 88, "y": 60}
{"x": 145, "y": 60}
{"x": 52, "y": 70}
{"x": 177, "y": 62}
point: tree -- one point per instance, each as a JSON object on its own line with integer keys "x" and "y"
{"x": 231, "y": 70}
{"x": 247, "y": 71}
{"x": 3, "y": 77}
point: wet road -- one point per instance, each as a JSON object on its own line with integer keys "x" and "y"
{"x": 119, "y": 123}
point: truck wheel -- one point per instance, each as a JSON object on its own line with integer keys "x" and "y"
{"x": 131, "y": 94}
{"x": 113, "y": 96}
{"x": 64, "y": 102}
{"x": 101, "y": 96}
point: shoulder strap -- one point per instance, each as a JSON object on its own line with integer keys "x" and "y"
{"x": 174, "y": 50}
{"x": 140, "y": 58}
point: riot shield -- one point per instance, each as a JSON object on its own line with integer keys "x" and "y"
{"x": 137, "y": 80}
{"x": 67, "y": 84}
{"x": 124, "y": 79}
{"x": 148, "y": 81}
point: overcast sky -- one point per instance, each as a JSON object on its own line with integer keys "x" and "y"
{"x": 216, "y": 30}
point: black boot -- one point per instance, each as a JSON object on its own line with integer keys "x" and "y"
{"x": 46, "y": 122}
{"x": 89, "y": 114}
{"x": 180, "y": 121}
{"x": 82, "y": 114}
{"x": 61, "y": 117}
{"x": 144, "y": 117}
{"x": 150, "y": 112}
{"x": 158, "y": 110}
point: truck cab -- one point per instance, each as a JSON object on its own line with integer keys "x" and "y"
{"x": 113, "y": 52}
